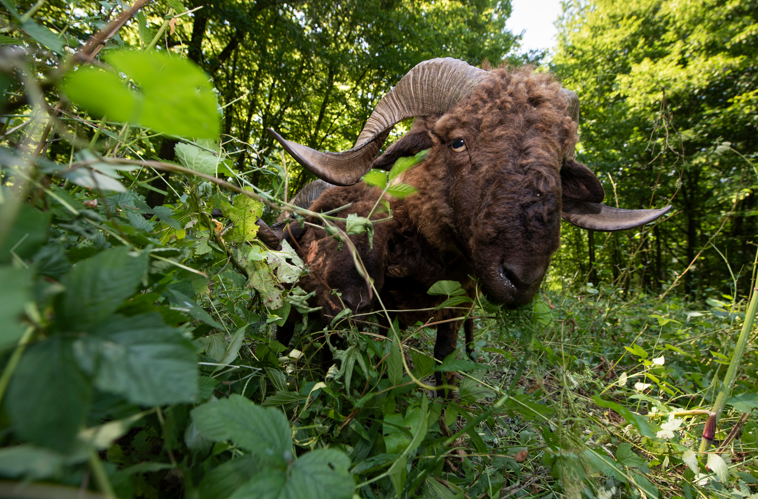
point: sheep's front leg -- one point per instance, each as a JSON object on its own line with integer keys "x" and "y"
{"x": 468, "y": 328}
{"x": 447, "y": 337}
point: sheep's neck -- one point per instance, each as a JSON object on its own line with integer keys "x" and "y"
{"x": 429, "y": 211}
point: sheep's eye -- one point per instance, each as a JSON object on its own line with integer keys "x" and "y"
{"x": 458, "y": 145}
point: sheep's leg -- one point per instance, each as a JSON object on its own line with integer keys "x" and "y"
{"x": 447, "y": 337}
{"x": 468, "y": 328}
{"x": 284, "y": 333}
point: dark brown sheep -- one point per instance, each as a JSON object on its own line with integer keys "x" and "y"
{"x": 499, "y": 174}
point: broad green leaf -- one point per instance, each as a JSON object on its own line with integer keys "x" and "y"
{"x": 263, "y": 282}
{"x": 14, "y": 294}
{"x": 453, "y": 364}
{"x": 626, "y": 456}
{"x": 690, "y": 459}
{"x": 403, "y": 164}
{"x": 319, "y": 474}
{"x": 200, "y": 160}
{"x": 26, "y": 236}
{"x": 454, "y": 301}
{"x": 96, "y": 287}
{"x": 96, "y": 181}
{"x": 377, "y": 178}
{"x": 717, "y": 464}
{"x": 637, "y": 350}
{"x": 264, "y": 432}
{"x": 541, "y": 313}
{"x": 450, "y": 288}
{"x": 49, "y": 395}
{"x": 744, "y": 402}
{"x": 44, "y": 36}
{"x": 175, "y": 97}
{"x": 423, "y": 364}
{"x": 223, "y": 481}
{"x": 140, "y": 358}
{"x": 243, "y": 215}
{"x": 35, "y": 463}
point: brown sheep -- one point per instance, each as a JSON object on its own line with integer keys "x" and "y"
{"x": 499, "y": 174}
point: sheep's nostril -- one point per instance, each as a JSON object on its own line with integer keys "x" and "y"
{"x": 520, "y": 278}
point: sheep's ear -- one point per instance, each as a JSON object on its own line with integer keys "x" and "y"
{"x": 580, "y": 183}
{"x": 582, "y": 196}
{"x": 406, "y": 146}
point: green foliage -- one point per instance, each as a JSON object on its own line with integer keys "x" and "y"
{"x": 137, "y": 353}
{"x": 175, "y": 96}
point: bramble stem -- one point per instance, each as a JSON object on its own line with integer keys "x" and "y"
{"x": 726, "y": 386}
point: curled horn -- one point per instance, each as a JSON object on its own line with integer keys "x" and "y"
{"x": 431, "y": 87}
{"x": 598, "y": 216}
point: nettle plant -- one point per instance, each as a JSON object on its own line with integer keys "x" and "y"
{"x": 137, "y": 354}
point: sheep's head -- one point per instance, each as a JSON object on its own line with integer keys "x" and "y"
{"x": 500, "y": 172}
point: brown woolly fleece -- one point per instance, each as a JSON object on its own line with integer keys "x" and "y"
{"x": 488, "y": 206}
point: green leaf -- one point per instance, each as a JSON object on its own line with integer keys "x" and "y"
{"x": 744, "y": 402}
{"x": 142, "y": 359}
{"x": 26, "y": 236}
{"x": 233, "y": 349}
{"x": 637, "y": 350}
{"x": 376, "y": 178}
{"x": 14, "y": 294}
{"x": 175, "y": 98}
{"x": 49, "y": 396}
{"x": 176, "y": 5}
{"x": 35, "y": 463}
{"x": 403, "y": 164}
{"x": 264, "y": 432}
{"x": 717, "y": 464}
{"x": 200, "y": 160}
{"x": 541, "y": 313}
{"x": 395, "y": 364}
{"x": 454, "y": 301}
{"x": 416, "y": 420}
{"x": 645, "y": 485}
{"x": 453, "y": 364}
{"x": 690, "y": 459}
{"x": 186, "y": 304}
{"x": 91, "y": 179}
{"x": 224, "y": 480}
{"x": 401, "y": 191}
{"x": 423, "y": 364}
{"x": 319, "y": 474}
{"x": 243, "y": 215}
{"x": 44, "y": 36}
{"x": 449, "y": 288}
{"x": 146, "y": 36}
{"x": 96, "y": 287}
{"x": 639, "y": 422}
{"x": 263, "y": 282}
{"x": 626, "y": 456}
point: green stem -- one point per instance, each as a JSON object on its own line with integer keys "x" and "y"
{"x": 5, "y": 379}
{"x": 32, "y": 11}
{"x": 158, "y": 35}
{"x": 101, "y": 477}
{"x": 726, "y": 387}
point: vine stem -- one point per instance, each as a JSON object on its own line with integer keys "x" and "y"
{"x": 101, "y": 477}
{"x": 14, "y": 360}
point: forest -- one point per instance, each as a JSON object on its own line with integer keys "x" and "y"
{"x": 140, "y": 300}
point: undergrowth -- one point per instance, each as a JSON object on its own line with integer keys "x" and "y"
{"x": 138, "y": 360}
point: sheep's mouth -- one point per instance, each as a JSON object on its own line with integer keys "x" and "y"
{"x": 501, "y": 286}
